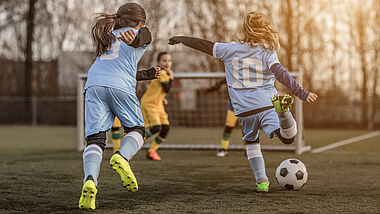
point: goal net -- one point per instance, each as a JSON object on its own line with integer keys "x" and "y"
{"x": 197, "y": 117}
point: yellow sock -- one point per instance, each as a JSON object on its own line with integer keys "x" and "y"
{"x": 116, "y": 144}
{"x": 225, "y": 144}
{"x": 153, "y": 147}
{"x": 116, "y": 140}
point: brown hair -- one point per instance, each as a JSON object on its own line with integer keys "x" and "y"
{"x": 257, "y": 29}
{"x": 128, "y": 15}
{"x": 160, "y": 55}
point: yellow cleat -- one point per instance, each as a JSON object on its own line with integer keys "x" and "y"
{"x": 122, "y": 167}
{"x": 87, "y": 199}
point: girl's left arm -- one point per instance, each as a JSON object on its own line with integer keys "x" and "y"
{"x": 284, "y": 77}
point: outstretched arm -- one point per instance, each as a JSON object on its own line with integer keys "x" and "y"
{"x": 284, "y": 77}
{"x": 202, "y": 45}
{"x": 148, "y": 74}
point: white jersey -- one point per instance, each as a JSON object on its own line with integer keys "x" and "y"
{"x": 249, "y": 78}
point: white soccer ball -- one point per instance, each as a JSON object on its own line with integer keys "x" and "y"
{"x": 291, "y": 174}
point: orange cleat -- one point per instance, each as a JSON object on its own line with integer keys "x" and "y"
{"x": 153, "y": 156}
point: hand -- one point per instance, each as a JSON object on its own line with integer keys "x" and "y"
{"x": 127, "y": 37}
{"x": 158, "y": 72}
{"x": 311, "y": 97}
{"x": 174, "y": 40}
{"x": 165, "y": 101}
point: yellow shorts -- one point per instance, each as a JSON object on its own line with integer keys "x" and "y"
{"x": 154, "y": 116}
{"x": 116, "y": 123}
{"x": 231, "y": 119}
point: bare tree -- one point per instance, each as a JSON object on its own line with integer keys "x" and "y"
{"x": 28, "y": 50}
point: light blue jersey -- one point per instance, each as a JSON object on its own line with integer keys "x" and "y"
{"x": 110, "y": 88}
{"x": 117, "y": 68}
{"x": 249, "y": 78}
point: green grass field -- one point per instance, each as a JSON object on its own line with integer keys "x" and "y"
{"x": 41, "y": 172}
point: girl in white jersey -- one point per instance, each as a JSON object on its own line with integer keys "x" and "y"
{"x": 110, "y": 91}
{"x": 251, "y": 67}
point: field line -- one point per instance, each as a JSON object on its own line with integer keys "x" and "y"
{"x": 345, "y": 142}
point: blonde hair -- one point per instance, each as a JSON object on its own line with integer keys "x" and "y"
{"x": 257, "y": 29}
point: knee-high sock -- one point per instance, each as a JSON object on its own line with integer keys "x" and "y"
{"x": 92, "y": 158}
{"x": 288, "y": 125}
{"x": 256, "y": 161}
{"x": 116, "y": 138}
{"x": 157, "y": 141}
{"x": 164, "y": 129}
{"x": 131, "y": 144}
{"x": 226, "y": 137}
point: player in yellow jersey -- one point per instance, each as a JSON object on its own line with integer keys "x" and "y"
{"x": 152, "y": 105}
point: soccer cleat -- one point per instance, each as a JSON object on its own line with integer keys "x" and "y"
{"x": 87, "y": 199}
{"x": 262, "y": 187}
{"x": 282, "y": 103}
{"x": 222, "y": 153}
{"x": 122, "y": 167}
{"x": 153, "y": 156}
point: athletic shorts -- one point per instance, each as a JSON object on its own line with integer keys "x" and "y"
{"x": 102, "y": 104}
{"x": 267, "y": 121}
{"x": 154, "y": 116}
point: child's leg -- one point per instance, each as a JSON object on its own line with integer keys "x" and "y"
{"x": 226, "y": 137}
{"x": 250, "y": 125}
{"x": 127, "y": 108}
{"x": 116, "y": 136}
{"x": 231, "y": 120}
{"x": 160, "y": 138}
{"x": 256, "y": 160}
{"x": 165, "y": 126}
{"x": 152, "y": 131}
{"x": 98, "y": 119}
{"x": 288, "y": 126}
{"x": 152, "y": 121}
{"x": 93, "y": 155}
{"x": 131, "y": 142}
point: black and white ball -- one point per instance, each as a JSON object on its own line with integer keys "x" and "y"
{"x": 291, "y": 174}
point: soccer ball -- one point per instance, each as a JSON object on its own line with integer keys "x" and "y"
{"x": 291, "y": 174}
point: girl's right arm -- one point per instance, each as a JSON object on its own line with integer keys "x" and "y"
{"x": 202, "y": 45}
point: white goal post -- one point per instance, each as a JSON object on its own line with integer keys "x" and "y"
{"x": 298, "y": 147}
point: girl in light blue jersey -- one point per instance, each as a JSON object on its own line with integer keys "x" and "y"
{"x": 120, "y": 39}
{"x": 251, "y": 68}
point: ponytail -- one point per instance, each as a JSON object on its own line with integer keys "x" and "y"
{"x": 102, "y": 32}
{"x": 128, "y": 15}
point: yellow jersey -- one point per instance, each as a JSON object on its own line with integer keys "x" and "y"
{"x": 155, "y": 94}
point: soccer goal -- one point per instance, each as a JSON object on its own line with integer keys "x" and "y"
{"x": 198, "y": 115}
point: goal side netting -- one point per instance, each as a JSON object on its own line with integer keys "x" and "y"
{"x": 197, "y": 118}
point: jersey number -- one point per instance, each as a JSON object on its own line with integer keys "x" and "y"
{"x": 247, "y": 81}
{"x": 115, "y": 51}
